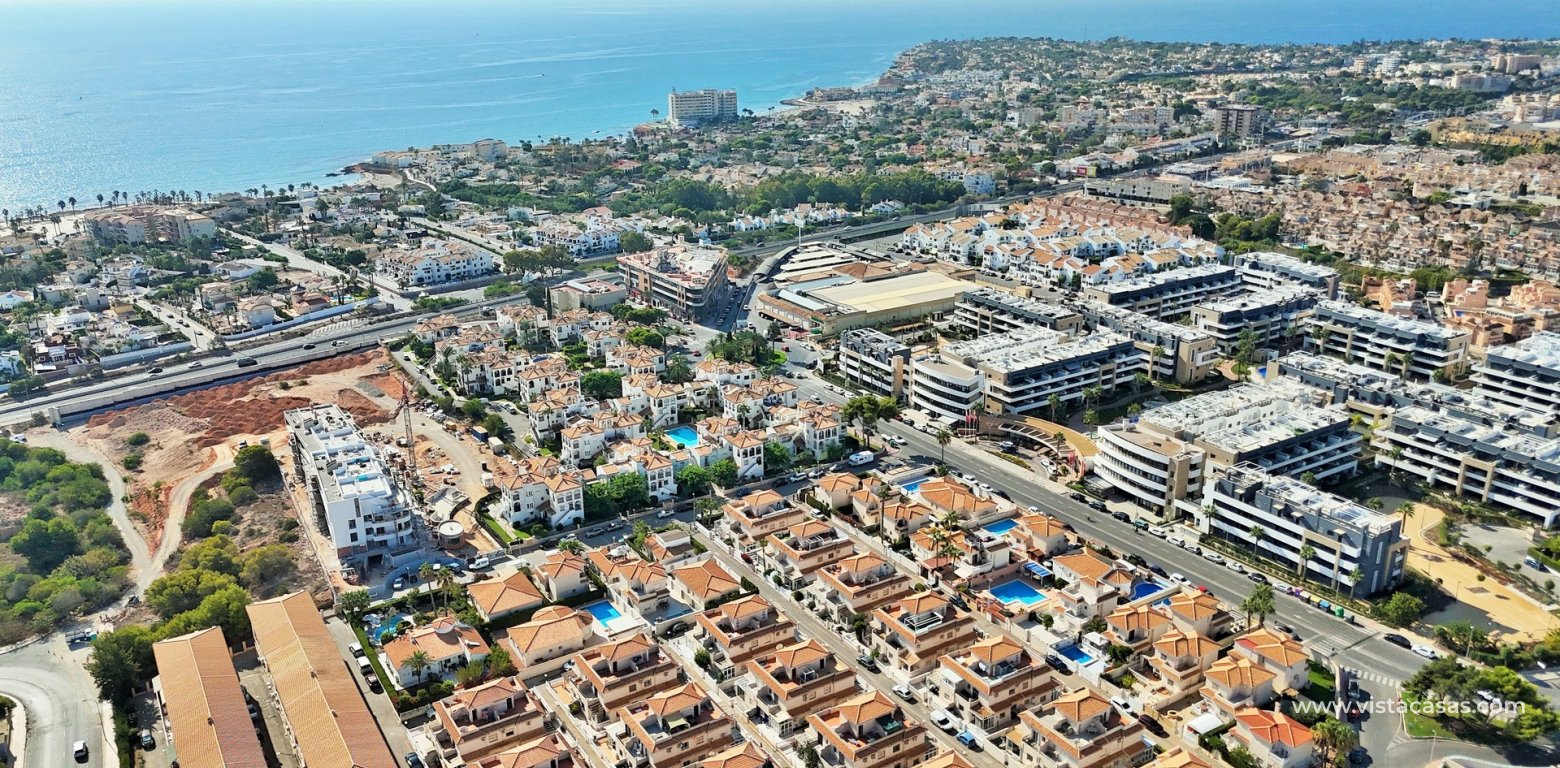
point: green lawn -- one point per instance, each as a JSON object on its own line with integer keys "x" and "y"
{"x": 1320, "y": 687}
{"x": 1423, "y": 727}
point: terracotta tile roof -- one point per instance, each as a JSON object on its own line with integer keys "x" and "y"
{"x": 706, "y": 579}
{"x": 496, "y": 598}
{"x": 802, "y": 653}
{"x": 746, "y": 755}
{"x": 550, "y": 626}
{"x": 867, "y": 707}
{"x": 744, "y": 607}
{"x": 529, "y": 755}
{"x": 1126, "y": 618}
{"x": 946, "y": 760}
{"x": 330, "y": 721}
{"x": 1042, "y": 526}
{"x": 1282, "y": 650}
{"x": 1080, "y": 705}
{"x": 838, "y": 481}
{"x": 444, "y": 638}
{"x": 1178, "y": 758}
{"x": 1234, "y": 672}
{"x": 1274, "y": 727}
{"x": 1086, "y": 565}
{"x": 1178, "y": 643}
{"x": 994, "y": 649}
{"x": 676, "y": 699}
{"x": 210, "y": 722}
{"x": 1194, "y": 607}
{"x": 560, "y": 564}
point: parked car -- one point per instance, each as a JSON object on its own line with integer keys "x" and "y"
{"x": 945, "y": 721}
{"x": 1152, "y": 725}
{"x": 664, "y": 514}
{"x": 867, "y": 662}
{"x": 147, "y": 742}
{"x": 1097, "y": 506}
{"x": 1235, "y": 566}
{"x": 1257, "y": 577}
{"x": 1353, "y": 690}
{"x": 1158, "y": 530}
{"x": 1077, "y": 496}
{"x": 479, "y": 562}
{"x": 797, "y": 477}
{"x": 1426, "y": 651}
{"x": 614, "y": 525}
{"x": 1397, "y": 640}
{"x": 1532, "y": 562}
{"x": 904, "y": 692}
{"x": 968, "y": 739}
{"x": 597, "y": 531}
{"x": 1176, "y": 540}
{"x": 1057, "y": 663}
{"x": 1122, "y": 516}
{"x": 413, "y": 761}
{"x": 1212, "y": 556}
{"x": 156, "y": 370}
{"x": 958, "y": 602}
{"x": 1158, "y": 571}
{"x": 356, "y": 649}
{"x": 1180, "y": 579}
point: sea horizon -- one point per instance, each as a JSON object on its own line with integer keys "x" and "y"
{"x": 177, "y": 94}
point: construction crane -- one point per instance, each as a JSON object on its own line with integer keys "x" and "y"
{"x": 403, "y": 410}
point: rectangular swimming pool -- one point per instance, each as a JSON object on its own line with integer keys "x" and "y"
{"x": 1076, "y": 655}
{"x": 683, "y": 436}
{"x": 604, "y": 612}
{"x": 1001, "y": 526}
{"x": 1017, "y": 590}
{"x": 1147, "y": 588}
{"x": 912, "y": 486}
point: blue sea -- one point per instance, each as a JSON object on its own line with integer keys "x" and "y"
{"x": 99, "y": 95}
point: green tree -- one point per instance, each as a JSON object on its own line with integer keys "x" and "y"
{"x": 1334, "y": 739}
{"x": 724, "y": 473}
{"x": 499, "y": 663}
{"x": 777, "y": 457}
{"x": 602, "y": 385}
{"x": 418, "y": 663}
{"x": 634, "y": 242}
{"x": 1401, "y": 609}
{"x": 352, "y": 605}
{"x": 184, "y": 589}
{"x": 694, "y": 480}
{"x": 495, "y": 426}
{"x": 944, "y": 437}
{"x": 121, "y": 662}
{"x": 256, "y": 463}
{"x": 267, "y": 569}
{"x": 46, "y": 543}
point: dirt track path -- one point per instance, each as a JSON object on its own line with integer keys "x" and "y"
{"x": 140, "y": 556}
{"x": 221, "y": 460}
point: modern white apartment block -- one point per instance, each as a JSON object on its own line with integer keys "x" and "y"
{"x": 1496, "y": 458}
{"x": 1279, "y": 516}
{"x": 144, "y": 223}
{"x": 988, "y": 310}
{"x": 875, "y": 360}
{"x": 435, "y": 262}
{"x": 688, "y": 281}
{"x": 1397, "y": 345}
{"x": 1524, "y": 374}
{"x": 1023, "y": 369}
{"x": 366, "y": 513}
{"x": 1168, "y": 294}
{"x": 1283, "y": 427}
{"x": 1266, "y": 269}
{"x": 690, "y": 109}
{"x": 1174, "y": 352}
{"x": 948, "y": 390}
{"x": 1273, "y": 317}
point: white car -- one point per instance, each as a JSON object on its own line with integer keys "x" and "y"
{"x": 663, "y": 514}
{"x": 1180, "y": 579}
{"x": 1236, "y": 567}
{"x": 1176, "y": 540}
{"x": 1033, "y": 508}
{"x": 1159, "y": 530}
{"x": 1426, "y": 651}
{"x": 1213, "y": 557}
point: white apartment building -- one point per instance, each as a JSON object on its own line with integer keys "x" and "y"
{"x": 875, "y": 361}
{"x": 1289, "y": 515}
{"x": 949, "y": 391}
{"x": 1272, "y": 316}
{"x": 1283, "y": 427}
{"x": 1168, "y": 294}
{"x": 988, "y": 310}
{"x": 143, "y": 223}
{"x": 690, "y": 109}
{"x": 1174, "y": 352}
{"x": 1266, "y": 269}
{"x": 1022, "y": 370}
{"x": 1508, "y": 459}
{"x": 1525, "y": 374}
{"x": 366, "y": 514}
{"x": 1385, "y": 342}
{"x": 434, "y": 262}
{"x": 688, "y": 281}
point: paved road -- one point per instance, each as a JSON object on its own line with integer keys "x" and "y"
{"x": 62, "y": 705}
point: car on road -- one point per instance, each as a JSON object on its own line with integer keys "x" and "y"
{"x": 796, "y": 477}
{"x": 1158, "y": 571}
{"x": 356, "y": 649}
{"x": 1033, "y": 508}
{"x": 1532, "y": 562}
{"x": 413, "y": 761}
{"x": 1056, "y": 662}
{"x": 816, "y": 474}
{"x": 1006, "y": 445}
{"x": 82, "y": 637}
{"x": 1097, "y": 506}
{"x": 904, "y": 692}
{"x": 155, "y": 371}
{"x": 1353, "y": 690}
{"x": 145, "y": 737}
{"x": 477, "y": 563}
{"x": 968, "y": 740}
{"x": 1236, "y": 566}
{"x": 1397, "y": 640}
{"x": 1426, "y": 651}
{"x": 1077, "y": 496}
{"x": 1176, "y": 540}
{"x": 1257, "y": 577}
{"x": 1212, "y": 556}
{"x": 867, "y": 662}
{"x": 1180, "y": 579}
{"x": 79, "y": 750}
{"x": 614, "y": 525}
{"x": 1159, "y": 530}
{"x": 597, "y": 531}
{"x": 945, "y": 721}
{"x": 958, "y": 602}
{"x": 310, "y": 346}
{"x": 663, "y": 514}
{"x": 397, "y": 585}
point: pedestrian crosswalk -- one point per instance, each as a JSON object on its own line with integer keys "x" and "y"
{"x": 1373, "y": 677}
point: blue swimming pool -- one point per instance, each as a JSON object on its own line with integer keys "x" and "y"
{"x": 1001, "y": 526}
{"x": 683, "y": 436}
{"x": 1076, "y": 655}
{"x": 604, "y": 612}
{"x": 912, "y": 486}
{"x": 1017, "y": 590}
{"x": 1147, "y": 588}
{"x": 386, "y": 625}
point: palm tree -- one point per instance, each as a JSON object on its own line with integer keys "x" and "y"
{"x": 418, "y": 663}
{"x": 944, "y": 437}
{"x": 1405, "y": 511}
{"x": 951, "y": 521}
{"x": 426, "y": 574}
{"x": 1092, "y": 395}
{"x": 572, "y": 546}
{"x": 1259, "y": 603}
{"x": 1153, "y": 361}
{"x": 1258, "y": 534}
{"x": 1354, "y": 581}
{"x": 1333, "y": 738}
{"x": 1306, "y": 553}
{"x": 1055, "y": 402}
